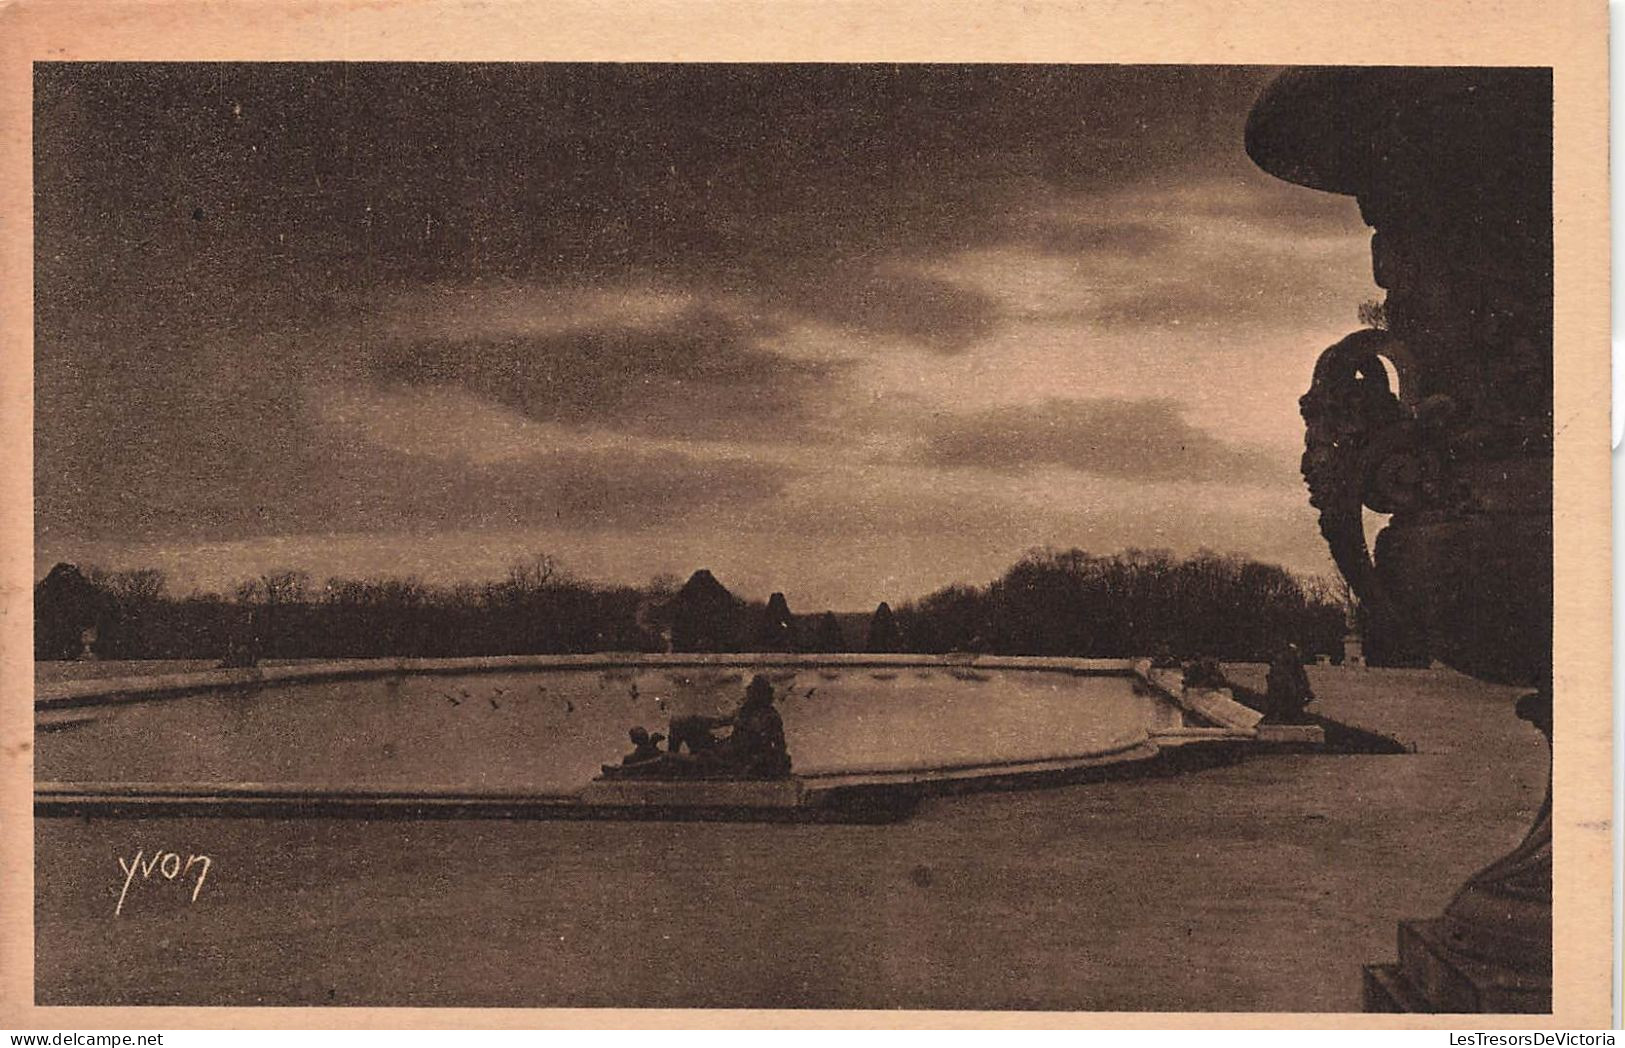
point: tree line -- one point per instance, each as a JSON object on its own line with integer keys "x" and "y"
{"x": 1072, "y": 603}
{"x": 1062, "y": 603}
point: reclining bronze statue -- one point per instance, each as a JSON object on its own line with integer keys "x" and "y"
{"x": 754, "y": 747}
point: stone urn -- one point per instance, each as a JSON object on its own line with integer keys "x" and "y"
{"x": 1440, "y": 414}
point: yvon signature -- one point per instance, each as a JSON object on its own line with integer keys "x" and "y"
{"x": 168, "y": 865}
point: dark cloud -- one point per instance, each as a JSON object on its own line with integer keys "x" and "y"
{"x": 225, "y": 493}
{"x": 1146, "y": 440}
{"x": 698, "y": 374}
{"x": 804, "y": 183}
{"x": 173, "y": 435}
{"x": 938, "y": 314}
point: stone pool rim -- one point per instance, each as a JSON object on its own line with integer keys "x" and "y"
{"x": 65, "y": 694}
{"x": 864, "y": 795}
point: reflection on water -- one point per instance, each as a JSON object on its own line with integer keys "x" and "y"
{"x": 550, "y": 730}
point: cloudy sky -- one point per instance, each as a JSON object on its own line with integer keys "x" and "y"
{"x": 850, "y": 332}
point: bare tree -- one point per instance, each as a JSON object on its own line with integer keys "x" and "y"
{"x": 534, "y": 574}
{"x": 665, "y": 584}
{"x": 342, "y": 591}
{"x": 285, "y": 586}
{"x": 136, "y": 588}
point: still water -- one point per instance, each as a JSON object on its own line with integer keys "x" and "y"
{"x": 549, "y": 730}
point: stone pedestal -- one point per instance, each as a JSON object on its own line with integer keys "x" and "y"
{"x": 1492, "y": 949}
{"x": 721, "y": 794}
{"x": 1434, "y": 976}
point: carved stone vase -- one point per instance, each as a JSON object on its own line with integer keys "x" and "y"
{"x": 1441, "y": 416}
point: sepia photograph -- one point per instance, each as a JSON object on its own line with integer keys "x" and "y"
{"x": 930, "y": 536}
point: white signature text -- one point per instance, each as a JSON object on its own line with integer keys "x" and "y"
{"x": 167, "y": 865}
